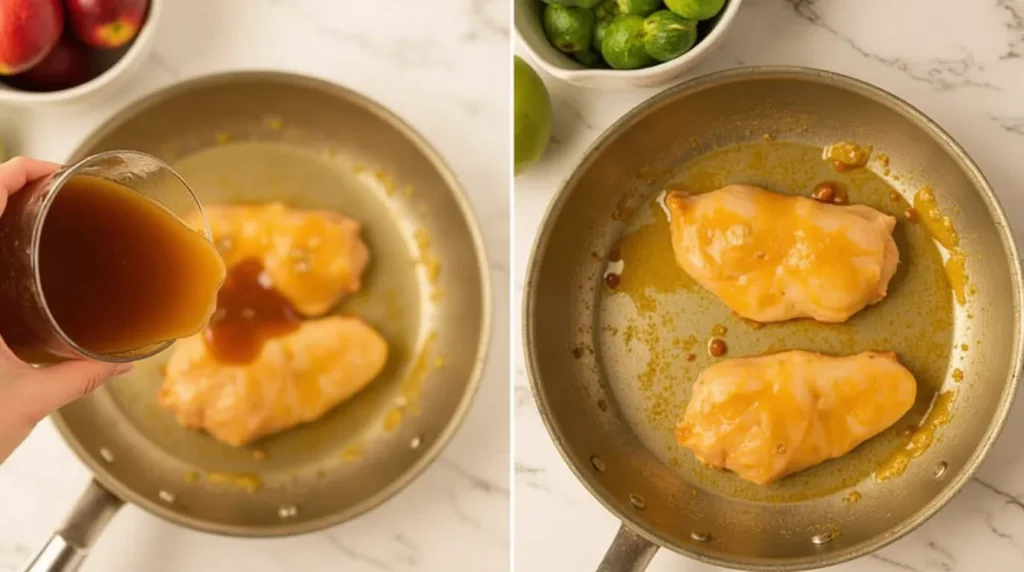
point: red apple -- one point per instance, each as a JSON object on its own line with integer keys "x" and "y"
{"x": 66, "y": 66}
{"x": 28, "y": 31}
{"x": 106, "y": 23}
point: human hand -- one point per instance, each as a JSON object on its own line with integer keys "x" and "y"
{"x": 28, "y": 394}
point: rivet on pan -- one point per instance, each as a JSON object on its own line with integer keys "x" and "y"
{"x": 288, "y": 511}
{"x": 107, "y": 454}
{"x": 416, "y": 442}
{"x": 700, "y": 536}
{"x": 602, "y": 405}
{"x": 167, "y": 497}
{"x": 597, "y": 463}
{"x": 822, "y": 539}
{"x": 940, "y": 469}
{"x": 637, "y": 501}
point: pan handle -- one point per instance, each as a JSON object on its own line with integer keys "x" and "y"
{"x": 67, "y": 548}
{"x": 629, "y": 552}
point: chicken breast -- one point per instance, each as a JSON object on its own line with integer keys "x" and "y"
{"x": 772, "y": 257}
{"x": 312, "y": 257}
{"x": 295, "y": 379}
{"x": 766, "y": 417}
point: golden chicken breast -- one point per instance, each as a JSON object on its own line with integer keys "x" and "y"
{"x": 772, "y": 257}
{"x": 312, "y": 257}
{"x": 296, "y": 378}
{"x": 766, "y": 417}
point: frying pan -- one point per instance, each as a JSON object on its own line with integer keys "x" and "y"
{"x": 262, "y": 136}
{"x": 612, "y": 368}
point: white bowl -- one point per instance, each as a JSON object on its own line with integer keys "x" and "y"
{"x": 530, "y": 32}
{"x": 128, "y": 59}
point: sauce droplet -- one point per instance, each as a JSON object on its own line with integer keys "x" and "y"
{"x": 612, "y": 280}
{"x": 824, "y": 192}
{"x": 846, "y": 156}
{"x": 831, "y": 193}
{"x": 716, "y": 347}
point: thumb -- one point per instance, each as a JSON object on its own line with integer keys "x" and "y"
{"x": 47, "y": 389}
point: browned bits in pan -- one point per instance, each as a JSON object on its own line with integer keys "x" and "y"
{"x": 824, "y": 192}
{"x": 845, "y": 156}
{"x": 828, "y": 192}
{"x": 615, "y": 255}
{"x": 690, "y": 357}
{"x": 716, "y": 347}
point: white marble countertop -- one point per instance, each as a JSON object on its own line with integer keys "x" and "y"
{"x": 449, "y": 79}
{"x": 959, "y": 61}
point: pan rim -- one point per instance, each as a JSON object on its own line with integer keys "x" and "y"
{"x": 874, "y": 93}
{"x": 475, "y": 376}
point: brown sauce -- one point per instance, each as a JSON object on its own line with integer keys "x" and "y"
{"x": 717, "y": 347}
{"x": 832, "y": 193}
{"x": 119, "y": 272}
{"x": 249, "y": 312}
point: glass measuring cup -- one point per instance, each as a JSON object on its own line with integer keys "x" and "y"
{"x": 30, "y": 322}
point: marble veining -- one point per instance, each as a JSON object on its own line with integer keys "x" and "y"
{"x": 961, "y": 63}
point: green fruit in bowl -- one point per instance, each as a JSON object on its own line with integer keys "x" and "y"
{"x": 668, "y": 35}
{"x": 569, "y": 29}
{"x": 573, "y": 3}
{"x": 696, "y": 9}
{"x": 532, "y": 107}
{"x": 623, "y": 43}
{"x": 638, "y": 7}
{"x": 600, "y": 28}
{"x": 605, "y": 12}
{"x": 590, "y": 58}
{"x": 607, "y": 9}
